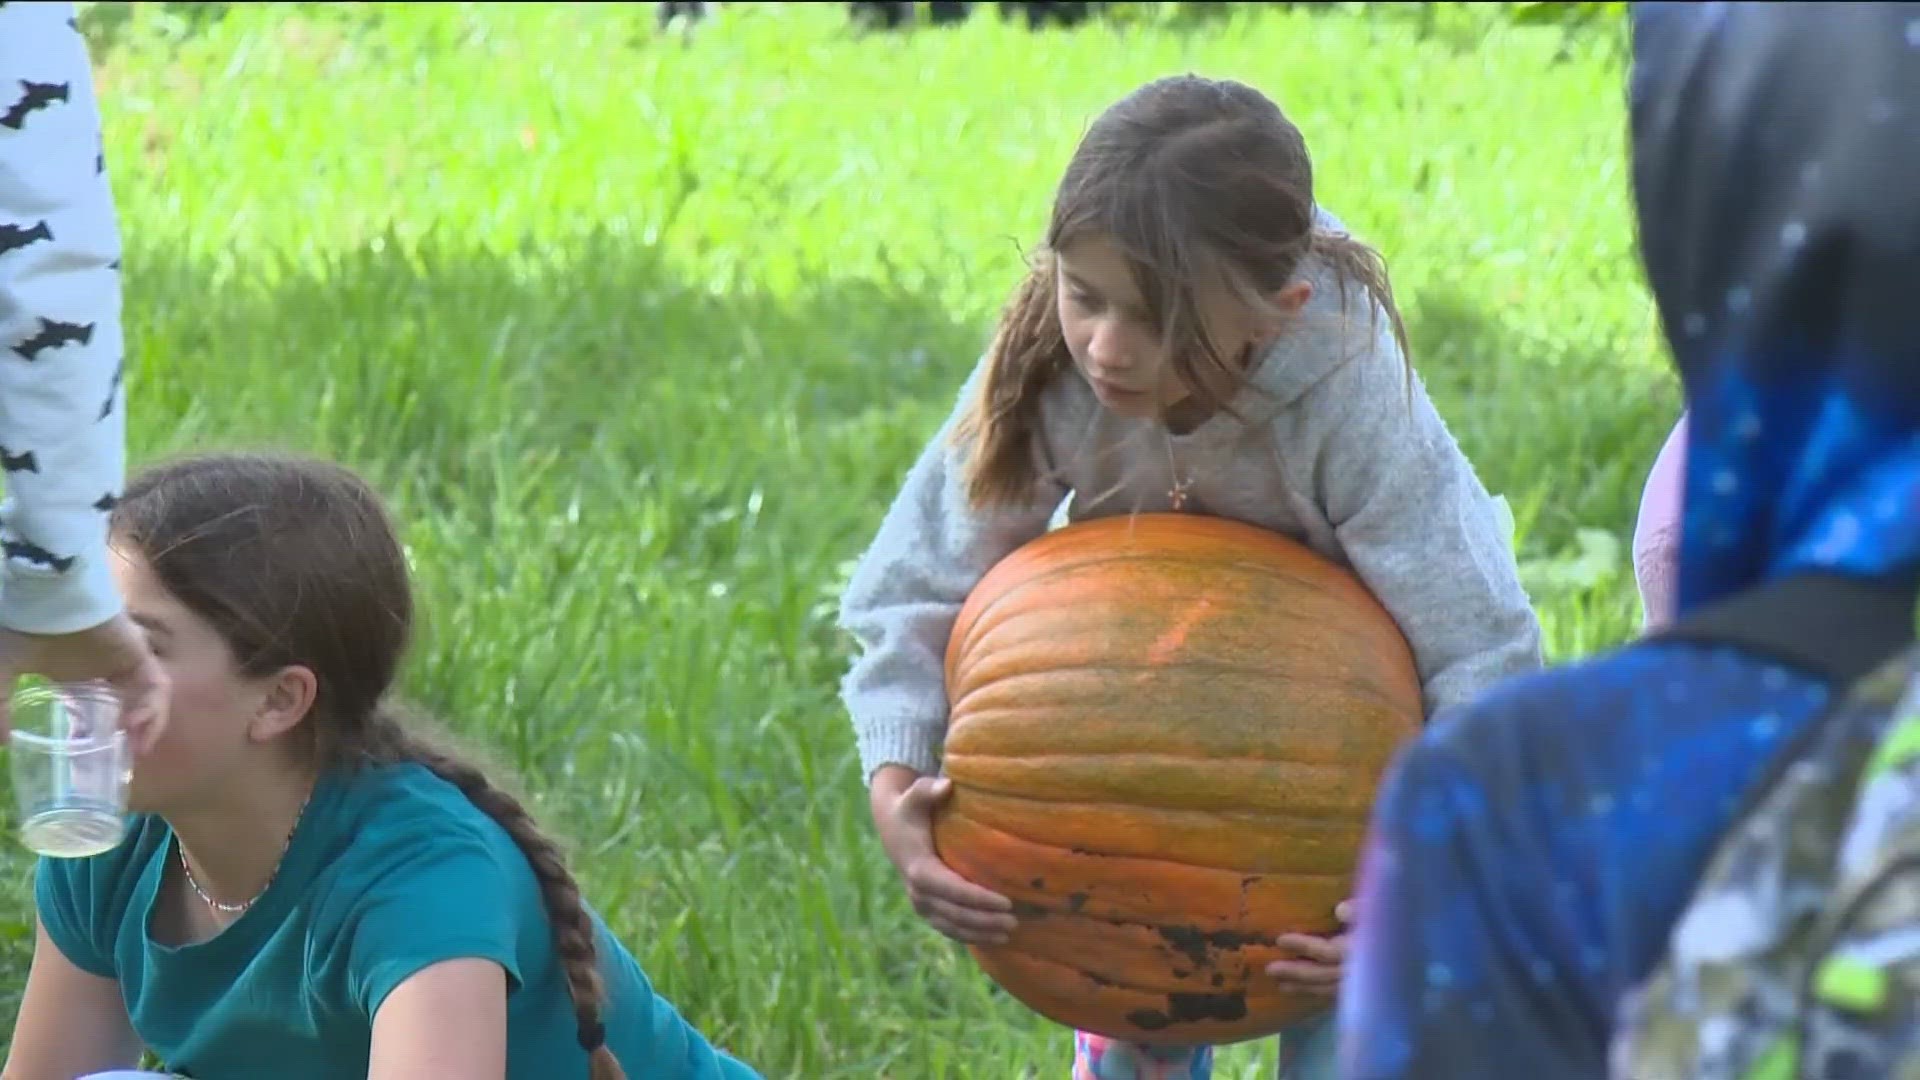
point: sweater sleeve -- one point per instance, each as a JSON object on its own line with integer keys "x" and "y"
{"x": 1418, "y": 527}
{"x": 931, "y": 549}
{"x": 61, "y": 427}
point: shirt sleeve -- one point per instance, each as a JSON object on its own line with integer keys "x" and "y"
{"x": 62, "y": 427}
{"x": 1418, "y": 527}
{"x": 931, "y": 550}
{"x": 81, "y": 903}
{"x": 676, "y": 1049}
{"x": 422, "y": 912}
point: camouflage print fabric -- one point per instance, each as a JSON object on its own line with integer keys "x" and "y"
{"x": 1799, "y": 955}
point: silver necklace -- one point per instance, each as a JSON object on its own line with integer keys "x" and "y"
{"x": 1177, "y": 495}
{"x": 223, "y": 906}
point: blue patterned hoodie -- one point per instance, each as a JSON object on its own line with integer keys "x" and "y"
{"x": 1531, "y": 852}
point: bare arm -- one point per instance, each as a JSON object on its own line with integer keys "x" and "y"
{"x": 71, "y": 1023}
{"x": 1656, "y": 533}
{"x": 446, "y": 1020}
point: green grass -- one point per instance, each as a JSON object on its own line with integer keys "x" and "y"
{"x": 640, "y": 337}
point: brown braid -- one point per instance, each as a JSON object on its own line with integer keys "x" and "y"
{"x": 390, "y": 740}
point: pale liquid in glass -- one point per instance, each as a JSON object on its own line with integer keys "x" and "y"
{"x": 73, "y": 830}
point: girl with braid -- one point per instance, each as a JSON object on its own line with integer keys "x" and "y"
{"x": 311, "y": 887}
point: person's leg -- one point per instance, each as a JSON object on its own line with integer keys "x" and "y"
{"x": 1310, "y": 1049}
{"x": 1096, "y": 1057}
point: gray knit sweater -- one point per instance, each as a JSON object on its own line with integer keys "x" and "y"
{"x": 1332, "y": 448}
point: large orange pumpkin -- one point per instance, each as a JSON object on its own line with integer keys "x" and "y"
{"x": 1165, "y": 738}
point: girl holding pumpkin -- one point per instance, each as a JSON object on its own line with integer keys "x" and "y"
{"x": 309, "y": 886}
{"x": 1198, "y": 335}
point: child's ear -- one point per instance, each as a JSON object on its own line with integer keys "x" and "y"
{"x": 1294, "y": 296}
{"x": 285, "y": 701}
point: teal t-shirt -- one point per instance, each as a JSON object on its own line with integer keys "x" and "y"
{"x": 389, "y": 871}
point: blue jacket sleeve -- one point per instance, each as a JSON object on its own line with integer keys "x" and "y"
{"x": 1530, "y": 853}
{"x": 1468, "y": 956}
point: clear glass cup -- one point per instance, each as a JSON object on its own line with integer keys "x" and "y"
{"x": 70, "y": 766}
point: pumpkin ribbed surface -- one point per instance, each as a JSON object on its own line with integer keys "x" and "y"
{"x": 1165, "y": 738}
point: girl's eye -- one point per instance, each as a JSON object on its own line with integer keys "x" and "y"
{"x": 1082, "y": 300}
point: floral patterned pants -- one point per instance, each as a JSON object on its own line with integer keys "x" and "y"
{"x": 1307, "y": 1052}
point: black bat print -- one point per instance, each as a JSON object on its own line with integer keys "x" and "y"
{"x": 18, "y": 462}
{"x": 37, "y": 555}
{"x": 13, "y": 237}
{"x": 53, "y": 334}
{"x": 113, "y": 389}
{"x": 106, "y": 502}
{"x": 34, "y": 97}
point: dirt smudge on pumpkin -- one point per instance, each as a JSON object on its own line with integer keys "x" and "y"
{"x": 1076, "y": 901}
{"x": 1199, "y": 945}
{"x": 1148, "y": 1019}
{"x": 1190, "y": 1009}
{"x": 1174, "y": 637}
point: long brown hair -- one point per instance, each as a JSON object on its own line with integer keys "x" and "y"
{"x": 1201, "y": 183}
{"x": 296, "y": 561}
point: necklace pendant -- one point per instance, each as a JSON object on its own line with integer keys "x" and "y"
{"x": 1178, "y": 496}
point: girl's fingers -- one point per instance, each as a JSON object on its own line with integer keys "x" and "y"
{"x": 932, "y": 879}
{"x": 1303, "y": 977}
{"x": 1319, "y": 949}
{"x": 969, "y": 919}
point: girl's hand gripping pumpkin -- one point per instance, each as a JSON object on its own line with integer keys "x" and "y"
{"x": 903, "y": 805}
{"x": 1318, "y": 970}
